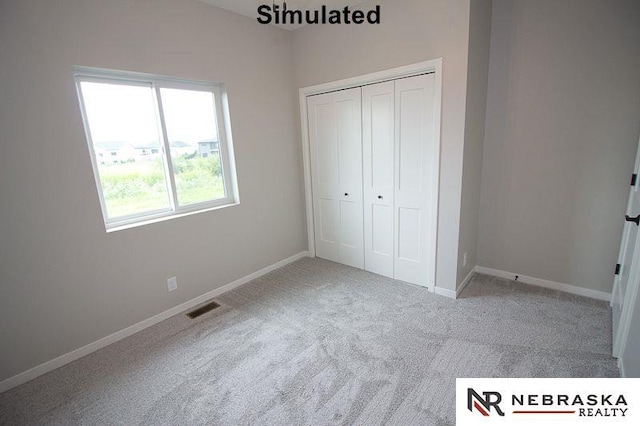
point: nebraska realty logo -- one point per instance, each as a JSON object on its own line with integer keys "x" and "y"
{"x": 525, "y": 401}
{"x": 484, "y": 405}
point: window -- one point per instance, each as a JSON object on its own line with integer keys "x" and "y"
{"x": 157, "y": 133}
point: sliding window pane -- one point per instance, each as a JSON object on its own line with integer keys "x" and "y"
{"x": 124, "y": 131}
{"x": 190, "y": 119}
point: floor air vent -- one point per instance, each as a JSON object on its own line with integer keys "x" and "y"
{"x": 203, "y": 309}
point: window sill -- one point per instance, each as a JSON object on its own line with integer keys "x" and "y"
{"x": 166, "y": 216}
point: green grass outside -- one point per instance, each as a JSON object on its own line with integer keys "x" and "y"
{"x": 136, "y": 187}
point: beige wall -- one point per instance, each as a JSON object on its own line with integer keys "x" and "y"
{"x": 563, "y": 118}
{"x": 64, "y": 282}
{"x": 477, "y": 78}
{"x": 411, "y": 31}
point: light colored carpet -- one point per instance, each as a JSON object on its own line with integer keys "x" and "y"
{"x": 317, "y": 343}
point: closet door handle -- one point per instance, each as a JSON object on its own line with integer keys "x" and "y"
{"x": 346, "y": 194}
{"x": 380, "y": 197}
{"x": 633, "y": 219}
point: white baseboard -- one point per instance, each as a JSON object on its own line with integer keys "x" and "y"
{"x": 48, "y": 366}
{"x": 454, "y": 294}
{"x": 466, "y": 280}
{"x": 567, "y": 288}
{"x": 445, "y": 292}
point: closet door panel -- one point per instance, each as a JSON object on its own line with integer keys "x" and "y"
{"x": 350, "y": 232}
{"x": 347, "y": 104}
{"x": 415, "y": 147}
{"x": 409, "y": 234}
{"x": 411, "y": 139}
{"x": 329, "y": 224}
{"x": 381, "y": 238}
{"x": 349, "y": 136}
{"x": 378, "y": 176}
{"x": 335, "y": 135}
{"x": 324, "y": 175}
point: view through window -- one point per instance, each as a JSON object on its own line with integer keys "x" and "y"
{"x": 159, "y": 147}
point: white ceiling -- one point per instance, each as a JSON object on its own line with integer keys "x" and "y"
{"x": 250, "y": 7}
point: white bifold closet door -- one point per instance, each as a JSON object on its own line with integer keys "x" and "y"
{"x": 378, "y": 152}
{"x": 336, "y": 167}
{"x": 398, "y": 147}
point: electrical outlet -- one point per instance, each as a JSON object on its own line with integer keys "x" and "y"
{"x": 172, "y": 283}
{"x": 464, "y": 260}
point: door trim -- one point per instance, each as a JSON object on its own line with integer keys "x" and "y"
{"x": 432, "y": 66}
{"x": 619, "y": 336}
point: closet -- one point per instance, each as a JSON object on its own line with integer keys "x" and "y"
{"x": 374, "y": 170}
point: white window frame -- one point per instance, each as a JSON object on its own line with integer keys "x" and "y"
{"x": 155, "y": 82}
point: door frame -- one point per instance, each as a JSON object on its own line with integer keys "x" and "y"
{"x": 619, "y": 339}
{"x": 431, "y": 66}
